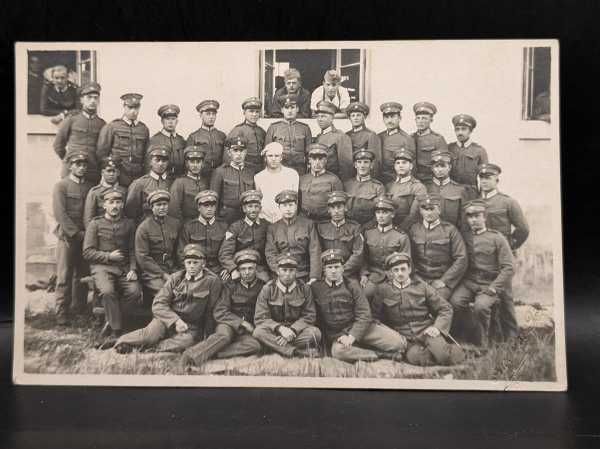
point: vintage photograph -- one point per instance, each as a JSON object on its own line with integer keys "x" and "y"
{"x": 376, "y": 214}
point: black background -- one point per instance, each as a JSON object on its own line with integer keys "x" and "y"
{"x": 49, "y": 417}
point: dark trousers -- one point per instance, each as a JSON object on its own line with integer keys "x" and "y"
{"x": 118, "y": 295}
{"x": 427, "y": 351}
{"x": 151, "y": 287}
{"x": 476, "y": 321}
{"x": 70, "y": 267}
{"x": 310, "y": 336}
{"x": 156, "y": 334}
{"x": 378, "y": 336}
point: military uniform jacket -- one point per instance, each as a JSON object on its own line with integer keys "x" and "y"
{"x": 243, "y": 234}
{"x": 390, "y": 143}
{"x": 230, "y": 183}
{"x": 438, "y": 253}
{"x": 342, "y": 309}
{"x": 404, "y": 193}
{"x": 208, "y": 235}
{"x": 176, "y": 144}
{"x": 302, "y": 99}
{"x": 93, "y": 202}
{"x": 128, "y": 143}
{"x": 465, "y": 162}
{"x": 380, "y": 243}
{"x": 314, "y": 192}
{"x": 339, "y": 151}
{"x": 453, "y": 197}
{"x": 300, "y": 239}
{"x": 192, "y": 301}
{"x": 291, "y": 307}
{"x": 295, "y": 137}
{"x": 361, "y": 198}
{"x": 183, "y": 193}
{"x": 237, "y": 303}
{"x": 212, "y": 142}
{"x": 504, "y": 214}
{"x": 411, "y": 310}
{"x": 363, "y": 137}
{"x": 346, "y": 237}
{"x": 155, "y": 246}
{"x": 68, "y": 200}
{"x": 103, "y": 236}
{"x": 490, "y": 260}
{"x": 425, "y": 144}
{"x": 53, "y": 102}
{"x": 137, "y": 206}
{"x": 254, "y": 136}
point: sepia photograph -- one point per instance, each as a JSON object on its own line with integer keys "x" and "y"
{"x": 365, "y": 214}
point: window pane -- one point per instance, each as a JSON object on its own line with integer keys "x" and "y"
{"x": 350, "y": 57}
{"x": 351, "y": 81}
{"x": 541, "y": 84}
{"x": 40, "y": 64}
{"x": 268, "y": 77}
{"x": 86, "y": 55}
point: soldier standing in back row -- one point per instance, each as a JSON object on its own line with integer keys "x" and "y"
{"x": 362, "y": 137}
{"x": 169, "y": 138}
{"x": 251, "y": 133}
{"x": 363, "y": 190}
{"x": 184, "y": 189}
{"x": 393, "y": 139}
{"x": 467, "y": 155}
{"x": 426, "y": 140}
{"x": 208, "y": 138}
{"x": 127, "y": 139}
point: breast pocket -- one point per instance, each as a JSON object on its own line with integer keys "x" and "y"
{"x": 276, "y": 309}
{"x": 391, "y": 310}
{"x": 295, "y": 306}
{"x": 451, "y": 209}
{"x": 419, "y": 247}
{"x": 403, "y": 204}
{"x": 301, "y": 238}
{"x": 231, "y": 190}
{"x": 341, "y": 309}
{"x": 424, "y": 154}
{"x": 200, "y": 239}
{"x": 440, "y": 251}
{"x": 74, "y": 204}
{"x": 470, "y": 163}
{"x": 243, "y": 242}
{"x": 123, "y": 140}
{"x": 497, "y": 219}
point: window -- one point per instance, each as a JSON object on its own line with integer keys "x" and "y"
{"x": 312, "y": 65}
{"x": 536, "y": 83}
{"x": 80, "y": 64}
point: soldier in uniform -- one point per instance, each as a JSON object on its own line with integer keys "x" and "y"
{"x": 342, "y": 234}
{"x": 416, "y": 311}
{"x": 293, "y": 86}
{"x": 344, "y": 314}
{"x": 251, "y": 133}
{"x": 488, "y": 281}
{"x": 232, "y": 179}
{"x": 58, "y": 97}
{"x": 206, "y": 230}
{"x": 68, "y": 198}
{"x": 439, "y": 254}
{"x": 126, "y": 138}
{"x": 503, "y": 212}
{"x": 208, "y": 138}
{"x": 362, "y": 137}
{"x": 109, "y": 248}
{"x": 381, "y": 241}
{"x": 136, "y": 206}
{"x": 295, "y": 235}
{"x": 363, "y": 190}
{"x": 453, "y": 195}
{"x": 110, "y": 180}
{"x": 467, "y": 155}
{"x": 294, "y": 136}
{"x": 168, "y": 138}
{"x": 426, "y": 140}
{"x": 316, "y": 185}
{"x": 404, "y": 189}
{"x": 285, "y": 315}
{"x": 182, "y": 310}
{"x": 393, "y": 139}
{"x": 248, "y": 233}
{"x": 80, "y": 131}
{"x": 155, "y": 244}
{"x": 338, "y": 144}
{"x": 234, "y": 316}
{"x": 332, "y": 92}
{"x": 184, "y": 189}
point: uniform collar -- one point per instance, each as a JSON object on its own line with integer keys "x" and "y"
{"x": 431, "y": 225}
{"x": 363, "y": 178}
{"x": 129, "y": 122}
{"x": 204, "y": 222}
{"x": 341, "y": 223}
{"x": 401, "y": 285}
{"x": 403, "y": 180}
{"x": 437, "y": 182}
{"x": 207, "y": 128}
{"x": 195, "y": 178}
{"x": 480, "y": 231}
{"x": 385, "y": 228}
{"x": 236, "y": 167}
{"x": 194, "y": 278}
{"x": 289, "y": 122}
{"x": 111, "y": 219}
{"x": 57, "y": 89}
{"x": 424, "y": 133}
{"x": 253, "y": 125}
{"x": 252, "y": 223}
{"x": 87, "y": 115}
{"x": 290, "y": 221}
{"x": 167, "y": 133}
{"x": 247, "y": 286}
{"x": 103, "y": 183}
{"x": 159, "y": 220}
{"x": 316, "y": 175}
{"x": 157, "y": 176}
{"x": 358, "y": 128}
{"x": 328, "y": 130}
{"x": 393, "y": 131}
{"x": 466, "y": 143}
{"x": 75, "y": 179}
{"x": 334, "y": 284}
{"x": 489, "y": 195}
{"x": 285, "y": 289}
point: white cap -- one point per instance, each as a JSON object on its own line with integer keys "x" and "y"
{"x": 272, "y": 148}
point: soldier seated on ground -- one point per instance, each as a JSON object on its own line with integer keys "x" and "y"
{"x": 182, "y": 309}
{"x": 344, "y": 316}
{"x": 415, "y": 310}
{"x": 285, "y": 314}
{"x": 234, "y": 314}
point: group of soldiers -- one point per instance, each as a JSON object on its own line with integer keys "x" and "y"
{"x": 389, "y": 245}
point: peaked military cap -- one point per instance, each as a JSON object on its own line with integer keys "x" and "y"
{"x": 131, "y": 99}
{"x": 236, "y": 143}
{"x": 287, "y": 261}
{"x": 90, "y": 88}
{"x": 474, "y": 207}
{"x": 332, "y": 76}
{"x": 193, "y": 152}
{"x": 158, "y": 195}
{"x": 251, "y": 196}
{"x": 288, "y": 100}
{"x": 332, "y": 255}
{"x": 337, "y": 196}
{"x": 77, "y": 156}
{"x": 363, "y": 153}
{"x": 193, "y": 251}
{"x": 286, "y": 196}
{"x": 437, "y": 155}
{"x": 113, "y": 193}
{"x": 425, "y": 107}
{"x": 317, "y": 149}
{"x": 391, "y": 107}
{"x": 245, "y": 256}
{"x": 489, "y": 169}
{"x": 403, "y": 153}
{"x": 357, "y": 106}
{"x": 206, "y": 196}
{"x": 396, "y": 259}
{"x": 110, "y": 161}
{"x": 327, "y": 107}
{"x": 159, "y": 151}
{"x": 385, "y": 203}
{"x": 429, "y": 199}
{"x": 208, "y": 105}
{"x": 464, "y": 119}
{"x": 168, "y": 110}
{"x": 252, "y": 103}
